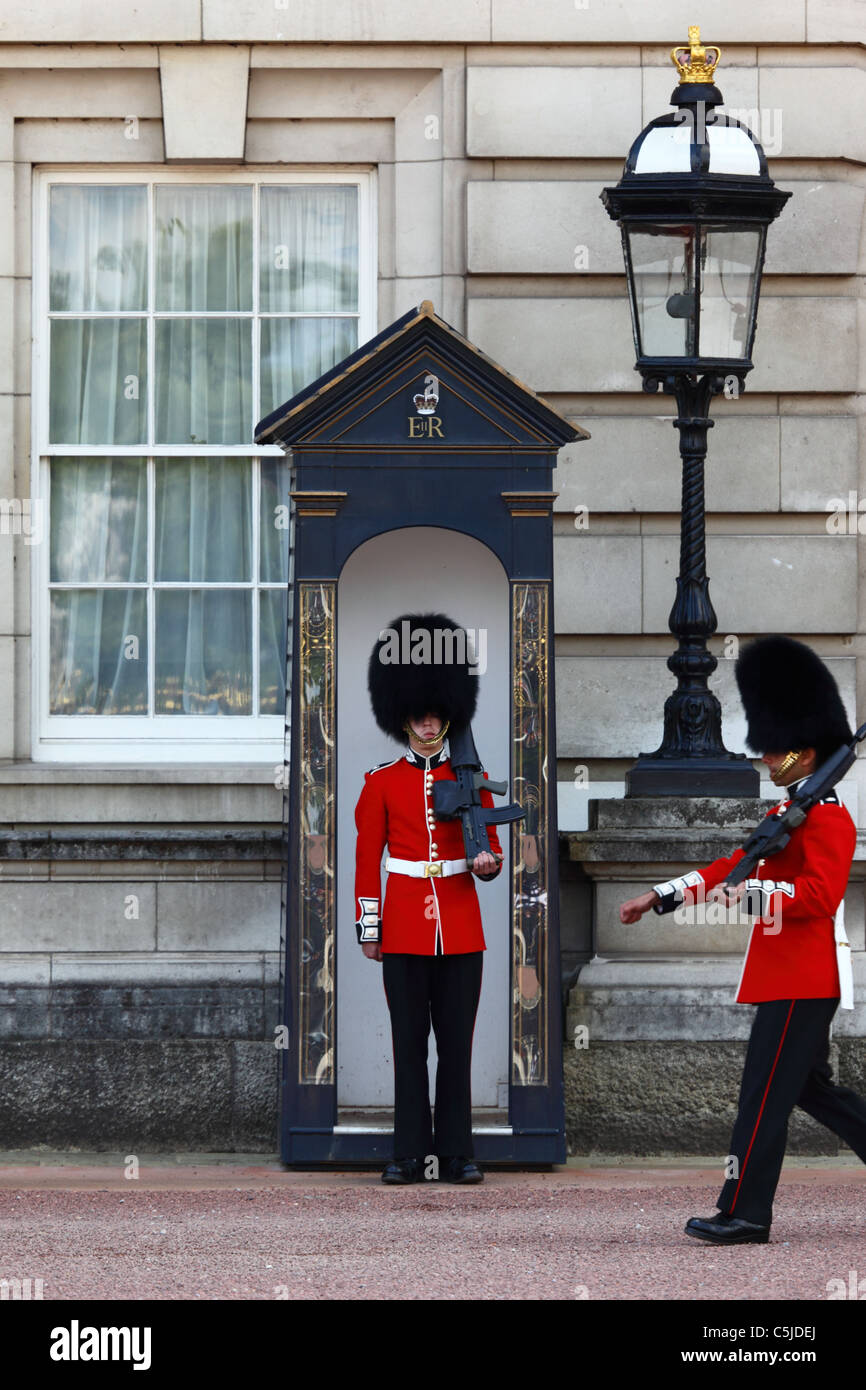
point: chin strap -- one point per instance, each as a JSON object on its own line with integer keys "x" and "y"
{"x": 787, "y": 763}
{"x": 428, "y": 742}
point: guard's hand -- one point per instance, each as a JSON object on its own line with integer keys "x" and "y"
{"x": 372, "y": 949}
{"x": 726, "y": 893}
{"x": 485, "y": 863}
{"x": 634, "y": 909}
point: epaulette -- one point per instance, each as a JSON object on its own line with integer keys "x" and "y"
{"x": 379, "y": 766}
{"x": 831, "y": 799}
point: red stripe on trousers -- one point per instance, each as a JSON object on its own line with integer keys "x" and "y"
{"x": 763, "y": 1103}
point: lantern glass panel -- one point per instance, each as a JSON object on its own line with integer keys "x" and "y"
{"x": 730, "y": 257}
{"x": 663, "y": 290}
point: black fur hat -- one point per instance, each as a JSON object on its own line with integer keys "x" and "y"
{"x": 790, "y": 698}
{"x": 418, "y": 666}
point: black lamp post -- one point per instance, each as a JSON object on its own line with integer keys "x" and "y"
{"x": 694, "y": 204}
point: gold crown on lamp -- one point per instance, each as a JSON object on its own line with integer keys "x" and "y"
{"x": 692, "y": 63}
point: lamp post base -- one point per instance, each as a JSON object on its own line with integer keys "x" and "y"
{"x": 731, "y": 775}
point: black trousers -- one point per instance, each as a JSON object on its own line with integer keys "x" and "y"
{"x": 443, "y": 990}
{"x": 787, "y": 1064}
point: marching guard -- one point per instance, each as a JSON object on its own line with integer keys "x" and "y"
{"x": 427, "y": 933}
{"x": 798, "y": 963}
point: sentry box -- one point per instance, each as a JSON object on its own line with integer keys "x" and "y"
{"x": 421, "y": 480}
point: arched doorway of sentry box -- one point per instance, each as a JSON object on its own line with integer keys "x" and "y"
{"x": 416, "y": 569}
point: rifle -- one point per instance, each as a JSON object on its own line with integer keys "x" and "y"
{"x": 462, "y": 796}
{"x": 774, "y": 831}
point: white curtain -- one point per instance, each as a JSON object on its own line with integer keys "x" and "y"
{"x": 203, "y": 263}
{"x": 203, "y": 532}
{"x": 98, "y": 381}
{"x": 297, "y": 351}
{"x": 98, "y": 636}
{"x": 202, "y": 394}
{"x": 203, "y": 247}
{"x": 98, "y": 248}
{"x": 308, "y": 258}
{"x": 308, "y": 249}
{"x": 274, "y": 569}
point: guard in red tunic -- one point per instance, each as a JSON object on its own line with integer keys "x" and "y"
{"x": 427, "y": 933}
{"x": 798, "y": 963}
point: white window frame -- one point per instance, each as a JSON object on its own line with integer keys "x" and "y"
{"x": 187, "y": 739}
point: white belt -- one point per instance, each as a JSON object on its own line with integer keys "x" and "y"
{"x": 425, "y": 868}
{"x": 843, "y": 960}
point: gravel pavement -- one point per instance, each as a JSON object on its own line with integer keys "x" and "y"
{"x": 243, "y": 1228}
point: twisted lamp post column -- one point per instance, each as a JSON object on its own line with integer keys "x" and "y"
{"x": 692, "y": 740}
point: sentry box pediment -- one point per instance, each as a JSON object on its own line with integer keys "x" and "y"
{"x": 418, "y": 385}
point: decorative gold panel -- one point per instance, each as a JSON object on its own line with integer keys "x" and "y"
{"x": 316, "y": 900}
{"x": 529, "y": 848}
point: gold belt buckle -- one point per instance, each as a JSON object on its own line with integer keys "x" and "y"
{"x": 433, "y": 870}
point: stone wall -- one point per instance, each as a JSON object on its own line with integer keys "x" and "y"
{"x": 139, "y": 1000}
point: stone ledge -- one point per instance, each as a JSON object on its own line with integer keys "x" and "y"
{"x": 162, "y": 968}
{"x": 663, "y": 812}
{"x": 678, "y": 1098}
{"x": 125, "y": 1010}
{"x": 23, "y": 773}
{"x": 134, "y": 844}
{"x": 669, "y": 831}
{"x": 616, "y": 851}
{"x": 670, "y": 1000}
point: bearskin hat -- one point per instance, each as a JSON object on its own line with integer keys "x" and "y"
{"x": 790, "y": 698}
{"x": 420, "y": 665}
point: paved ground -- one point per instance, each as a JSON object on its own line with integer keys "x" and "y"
{"x": 242, "y": 1228}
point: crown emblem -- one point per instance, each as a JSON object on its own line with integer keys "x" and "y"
{"x": 693, "y": 63}
{"x": 426, "y": 404}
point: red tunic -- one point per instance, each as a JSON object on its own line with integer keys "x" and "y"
{"x": 791, "y": 952}
{"x": 421, "y": 916}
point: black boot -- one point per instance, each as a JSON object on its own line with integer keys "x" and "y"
{"x": 403, "y": 1171}
{"x": 459, "y": 1170}
{"x": 727, "y": 1230}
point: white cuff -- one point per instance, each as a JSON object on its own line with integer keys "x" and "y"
{"x": 673, "y": 892}
{"x": 757, "y": 899}
{"x": 367, "y": 925}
